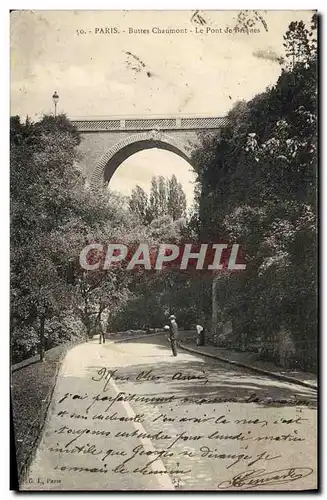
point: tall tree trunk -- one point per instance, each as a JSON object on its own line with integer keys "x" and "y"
{"x": 87, "y": 319}
{"x": 41, "y": 337}
{"x": 86, "y": 315}
{"x": 215, "y": 317}
{"x": 99, "y": 325}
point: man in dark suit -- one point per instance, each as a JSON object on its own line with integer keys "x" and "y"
{"x": 173, "y": 333}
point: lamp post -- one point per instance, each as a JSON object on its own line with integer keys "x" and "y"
{"x": 55, "y": 99}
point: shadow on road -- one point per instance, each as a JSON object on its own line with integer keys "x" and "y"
{"x": 221, "y": 380}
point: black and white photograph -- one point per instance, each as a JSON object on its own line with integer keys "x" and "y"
{"x": 164, "y": 250}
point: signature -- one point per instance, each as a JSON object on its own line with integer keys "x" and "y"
{"x": 260, "y": 477}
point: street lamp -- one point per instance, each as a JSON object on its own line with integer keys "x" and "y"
{"x": 55, "y": 99}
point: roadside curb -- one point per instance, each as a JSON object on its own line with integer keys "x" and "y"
{"x": 26, "y": 362}
{"x": 36, "y": 359}
{"x": 278, "y": 376}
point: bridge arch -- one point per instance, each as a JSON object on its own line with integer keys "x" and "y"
{"x": 104, "y": 169}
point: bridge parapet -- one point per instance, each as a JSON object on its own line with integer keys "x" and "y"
{"x": 113, "y": 124}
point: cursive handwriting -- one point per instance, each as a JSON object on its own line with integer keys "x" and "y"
{"x": 206, "y": 452}
{"x": 260, "y": 477}
{"x": 156, "y": 398}
{"x": 190, "y": 376}
{"x": 105, "y": 375}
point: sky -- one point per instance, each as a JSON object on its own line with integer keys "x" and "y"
{"x": 98, "y": 72}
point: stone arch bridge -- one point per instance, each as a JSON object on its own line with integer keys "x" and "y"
{"x": 108, "y": 141}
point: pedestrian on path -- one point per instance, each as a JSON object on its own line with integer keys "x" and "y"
{"x": 103, "y": 327}
{"x": 199, "y": 334}
{"x": 173, "y": 333}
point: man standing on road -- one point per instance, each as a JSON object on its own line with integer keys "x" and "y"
{"x": 102, "y": 338}
{"x": 199, "y": 334}
{"x": 103, "y": 326}
{"x": 173, "y": 333}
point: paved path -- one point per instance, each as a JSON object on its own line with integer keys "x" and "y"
{"x": 253, "y": 361}
{"x": 130, "y": 416}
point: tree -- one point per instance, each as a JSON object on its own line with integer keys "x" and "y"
{"x": 176, "y": 199}
{"x": 299, "y": 43}
{"x": 162, "y": 197}
{"x": 166, "y": 197}
{"x": 51, "y": 215}
{"x": 138, "y": 203}
{"x": 154, "y": 204}
{"x": 43, "y": 185}
{"x": 258, "y": 189}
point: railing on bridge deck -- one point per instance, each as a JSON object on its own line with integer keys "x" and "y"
{"x": 116, "y": 123}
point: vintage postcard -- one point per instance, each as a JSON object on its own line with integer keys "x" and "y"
{"x": 163, "y": 181}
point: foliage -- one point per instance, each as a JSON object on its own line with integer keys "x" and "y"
{"x": 166, "y": 198}
{"x": 258, "y": 189}
{"x": 52, "y": 216}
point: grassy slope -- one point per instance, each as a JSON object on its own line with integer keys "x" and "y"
{"x": 31, "y": 391}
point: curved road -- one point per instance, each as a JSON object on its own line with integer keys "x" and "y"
{"x": 130, "y": 416}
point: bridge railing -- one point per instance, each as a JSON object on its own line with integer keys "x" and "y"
{"x": 100, "y": 124}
